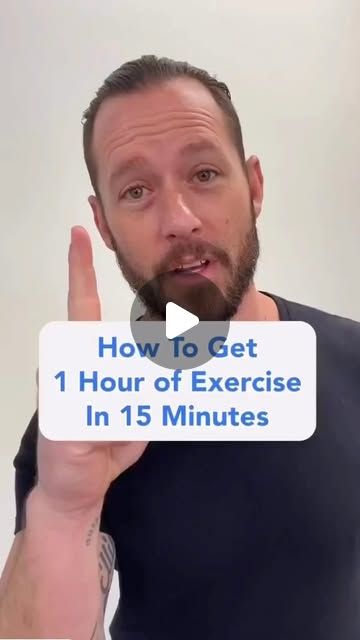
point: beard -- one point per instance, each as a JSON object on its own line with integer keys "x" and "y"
{"x": 204, "y": 298}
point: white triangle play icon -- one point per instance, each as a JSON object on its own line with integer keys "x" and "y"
{"x": 178, "y": 320}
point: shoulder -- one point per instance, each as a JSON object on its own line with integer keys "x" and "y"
{"x": 338, "y": 337}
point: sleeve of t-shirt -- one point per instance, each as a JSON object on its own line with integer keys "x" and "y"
{"x": 26, "y": 474}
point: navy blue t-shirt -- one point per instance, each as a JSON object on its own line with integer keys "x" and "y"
{"x": 243, "y": 540}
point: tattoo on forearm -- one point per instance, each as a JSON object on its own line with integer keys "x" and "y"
{"x": 91, "y": 531}
{"x": 106, "y": 564}
{"x": 106, "y": 567}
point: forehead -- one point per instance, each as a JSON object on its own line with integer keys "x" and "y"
{"x": 152, "y": 115}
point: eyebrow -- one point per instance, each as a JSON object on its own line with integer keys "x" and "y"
{"x": 139, "y": 162}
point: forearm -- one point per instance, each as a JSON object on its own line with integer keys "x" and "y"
{"x": 57, "y": 585}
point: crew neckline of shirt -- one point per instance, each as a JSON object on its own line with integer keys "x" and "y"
{"x": 283, "y": 308}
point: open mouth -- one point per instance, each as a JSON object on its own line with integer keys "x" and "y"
{"x": 198, "y": 266}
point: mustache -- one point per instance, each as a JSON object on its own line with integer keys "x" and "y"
{"x": 199, "y": 249}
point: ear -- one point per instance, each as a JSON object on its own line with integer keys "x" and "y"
{"x": 100, "y": 221}
{"x": 256, "y": 183}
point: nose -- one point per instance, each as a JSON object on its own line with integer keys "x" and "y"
{"x": 177, "y": 219}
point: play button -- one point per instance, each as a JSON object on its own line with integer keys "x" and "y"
{"x": 178, "y": 320}
{"x": 186, "y": 318}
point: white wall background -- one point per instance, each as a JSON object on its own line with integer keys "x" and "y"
{"x": 292, "y": 68}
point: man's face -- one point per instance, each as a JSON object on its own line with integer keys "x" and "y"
{"x": 176, "y": 205}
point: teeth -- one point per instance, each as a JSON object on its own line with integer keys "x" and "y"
{"x": 195, "y": 265}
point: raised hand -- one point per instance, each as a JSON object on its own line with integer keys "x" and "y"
{"x": 74, "y": 476}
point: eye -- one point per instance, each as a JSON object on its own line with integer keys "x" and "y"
{"x": 204, "y": 175}
{"x": 135, "y": 192}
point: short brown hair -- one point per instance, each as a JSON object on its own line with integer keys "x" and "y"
{"x": 148, "y": 71}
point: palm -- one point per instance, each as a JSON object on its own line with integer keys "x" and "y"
{"x": 79, "y": 473}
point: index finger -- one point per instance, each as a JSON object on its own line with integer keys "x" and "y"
{"x": 83, "y": 298}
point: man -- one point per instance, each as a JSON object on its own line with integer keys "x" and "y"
{"x": 212, "y": 540}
